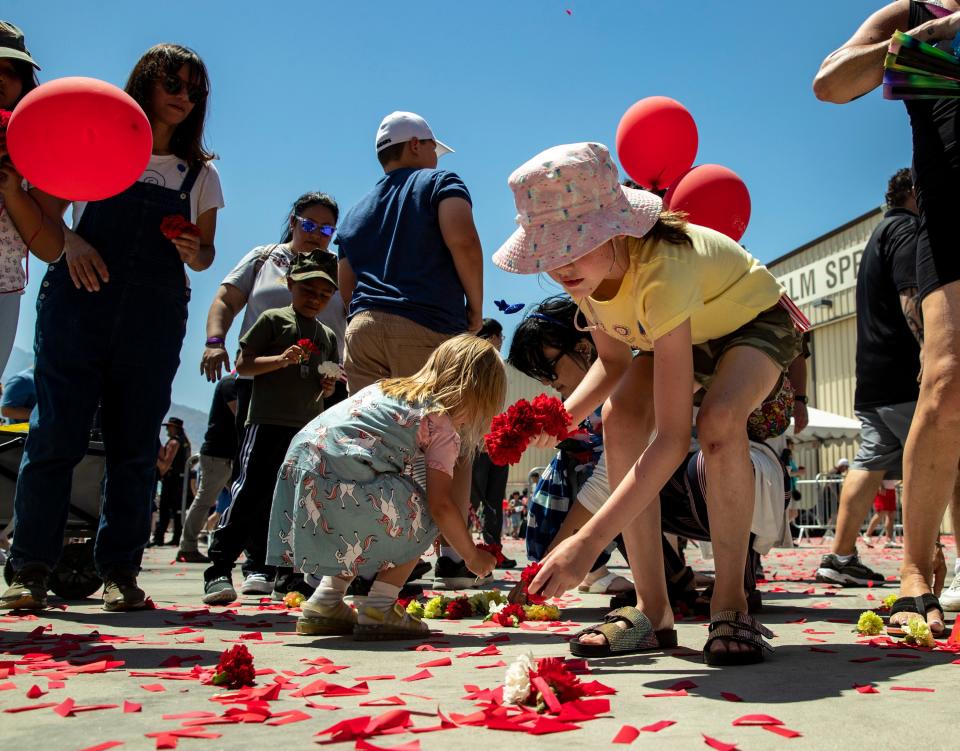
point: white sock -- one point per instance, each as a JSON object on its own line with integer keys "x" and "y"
{"x": 381, "y": 597}
{"x": 845, "y": 559}
{"x": 453, "y": 555}
{"x": 330, "y": 591}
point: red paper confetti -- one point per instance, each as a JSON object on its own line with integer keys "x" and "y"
{"x": 628, "y": 734}
{"x": 421, "y": 676}
{"x": 756, "y": 719}
{"x": 658, "y": 726}
{"x": 719, "y": 745}
{"x": 785, "y": 732}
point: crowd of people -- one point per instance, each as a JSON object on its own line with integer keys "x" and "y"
{"x": 347, "y": 437}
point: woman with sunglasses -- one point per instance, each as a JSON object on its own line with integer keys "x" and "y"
{"x": 256, "y": 284}
{"x": 111, "y": 316}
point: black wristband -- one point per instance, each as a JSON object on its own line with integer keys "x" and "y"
{"x": 802, "y": 398}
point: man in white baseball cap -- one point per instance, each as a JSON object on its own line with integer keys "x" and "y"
{"x": 411, "y": 271}
{"x": 400, "y": 127}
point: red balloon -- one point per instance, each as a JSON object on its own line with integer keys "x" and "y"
{"x": 656, "y": 141}
{"x": 79, "y": 139}
{"x": 712, "y": 196}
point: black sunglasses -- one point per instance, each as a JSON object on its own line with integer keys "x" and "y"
{"x": 173, "y": 85}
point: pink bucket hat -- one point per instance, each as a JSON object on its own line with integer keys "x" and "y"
{"x": 570, "y": 201}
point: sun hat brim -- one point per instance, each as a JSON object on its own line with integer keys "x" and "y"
{"x": 544, "y": 247}
{"x": 14, "y": 54}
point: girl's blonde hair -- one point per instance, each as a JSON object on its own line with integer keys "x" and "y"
{"x": 465, "y": 378}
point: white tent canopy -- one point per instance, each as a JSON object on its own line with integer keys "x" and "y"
{"x": 826, "y": 426}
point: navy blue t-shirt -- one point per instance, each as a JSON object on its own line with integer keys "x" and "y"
{"x": 392, "y": 241}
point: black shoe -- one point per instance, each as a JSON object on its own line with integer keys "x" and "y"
{"x": 192, "y": 556}
{"x": 219, "y": 591}
{"x": 419, "y": 571}
{"x": 853, "y": 573}
{"x": 289, "y": 581}
{"x": 450, "y": 575}
{"x": 506, "y": 564}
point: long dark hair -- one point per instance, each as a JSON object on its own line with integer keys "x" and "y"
{"x": 163, "y": 59}
{"x": 304, "y": 202}
{"x": 549, "y": 324}
{"x": 27, "y": 75}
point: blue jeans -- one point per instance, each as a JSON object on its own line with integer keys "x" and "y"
{"x": 119, "y": 347}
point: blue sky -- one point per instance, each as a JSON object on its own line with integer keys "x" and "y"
{"x": 298, "y": 90}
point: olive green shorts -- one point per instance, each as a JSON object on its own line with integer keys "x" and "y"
{"x": 772, "y": 332}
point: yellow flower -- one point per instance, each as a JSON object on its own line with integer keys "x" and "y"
{"x": 542, "y": 612}
{"x": 435, "y": 607}
{"x": 293, "y": 599}
{"x": 888, "y": 601}
{"x": 869, "y": 623}
{"x": 918, "y": 632}
{"x": 415, "y": 608}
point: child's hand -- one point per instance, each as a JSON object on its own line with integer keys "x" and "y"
{"x": 481, "y": 563}
{"x": 188, "y": 246}
{"x": 543, "y": 441}
{"x": 85, "y": 264}
{"x": 329, "y": 385}
{"x": 291, "y": 356}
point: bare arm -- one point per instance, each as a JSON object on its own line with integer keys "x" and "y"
{"x": 36, "y": 216}
{"x": 167, "y": 454}
{"x": 233, "y": 407}
{"x": 347, "y": 281}
{"x": 460, "y": 235}
{"x": 613, "y": 359}
{"x": 857, "y": 67}
{"x": 16, "y": 414}
{"x": 797, "y": 373}
{"x": 449, "y": 518}
{"x": 250, "y": 364}
{"x": 198, "y": 252}
{"x": 227, "y": 303}
{"x": 910, "y": 305}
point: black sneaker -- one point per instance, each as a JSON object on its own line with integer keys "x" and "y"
{"x": 28, "y": 589}
{"x": 191, "y": 556}
{"x": 219, "y": 591}
{"x": 450, "y": 575}
{"x": 853, "y": 573}
{"x": 506, "y": 564}
{"x": 419, "y": 571}
{"x": 289, "y": 581}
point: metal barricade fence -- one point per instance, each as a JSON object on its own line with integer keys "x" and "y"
{"x": 818, "y": 506}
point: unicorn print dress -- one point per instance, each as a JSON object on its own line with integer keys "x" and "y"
{"x": 350, "y": 497}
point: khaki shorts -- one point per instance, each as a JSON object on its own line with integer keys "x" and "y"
{"x": 383, "y": 345}
{"x": 772, "y": 332}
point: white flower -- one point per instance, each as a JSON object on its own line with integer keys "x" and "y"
{"x": 496, "y": 607}
{"x": 516, "y": 683}
{"x": 330, "y": 369}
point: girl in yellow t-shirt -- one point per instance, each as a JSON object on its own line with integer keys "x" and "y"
{"x": 709, "y": 316}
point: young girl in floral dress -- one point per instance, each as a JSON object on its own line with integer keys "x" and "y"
{"x": 368, "y": 485}
{"x": 703, "y": 314}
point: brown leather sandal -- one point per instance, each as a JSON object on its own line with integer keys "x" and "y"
{"x": 730, "y": 626}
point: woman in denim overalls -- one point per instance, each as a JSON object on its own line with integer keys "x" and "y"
{"x": 111, "y": 317}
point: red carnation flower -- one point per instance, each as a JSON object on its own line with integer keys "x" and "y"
{"x": 526, "y": 577}
{"x": 506, "y": 616}
{"x": 511, "y": 431}
{"x": 565, "y": 684}
{"x": 174, "y": 225}
{"x": 458, "y": 608}
{"x": 235, "y": 668}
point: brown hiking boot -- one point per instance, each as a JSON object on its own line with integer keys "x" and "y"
{"x": 120, "y": 591}
{"x": 28, "y": 590}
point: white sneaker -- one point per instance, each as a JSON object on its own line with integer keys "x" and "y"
{"x": 256, "y": 584}
{"x": 950, "y": 597}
